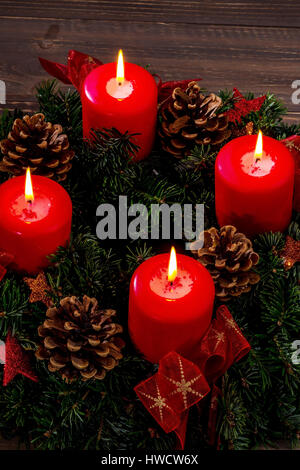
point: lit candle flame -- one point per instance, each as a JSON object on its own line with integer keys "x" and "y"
{"x": 120, "y": 67}
{"x": 259, "y": 147}
{"x": 28, "y": 187}
{"x": 172, "y": 270}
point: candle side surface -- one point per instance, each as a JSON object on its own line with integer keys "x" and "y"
{"x": 32, "y": 231}
{"x": 165, "y": 317}
{"x": 132, "y": 109}
{"x": 254, "y": 195}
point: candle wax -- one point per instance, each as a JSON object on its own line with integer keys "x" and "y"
{"x": 254, "y": 195}
{"x": 32, "y": 231}
{"x": 128, "y": 105}
{"x": 165, "y": 316}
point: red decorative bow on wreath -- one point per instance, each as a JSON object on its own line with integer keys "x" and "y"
{"x": 80, "y": 65}
{"x": 181, "y": 383}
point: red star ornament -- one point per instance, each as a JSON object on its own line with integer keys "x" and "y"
{"x": 290, "y": 253}
{"x": 16, "y": 361}
{"x": 243, "y": 107}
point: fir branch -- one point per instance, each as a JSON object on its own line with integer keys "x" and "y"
{"x": 62, "y": 108}
{"x": 136, "y": 256}
{"x": 13, "y": 305}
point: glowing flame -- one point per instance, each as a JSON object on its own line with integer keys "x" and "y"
{"x": 172, "y": 270}
{"x": 28, "y": 187}
{"x": 259, "y": 147}
{"x": 120, "y": 67}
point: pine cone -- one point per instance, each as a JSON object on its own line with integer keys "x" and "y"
{"x": 229, "y": 257}
{"x": 189, "y": 118}
{"x": 79, "y": 339}
{"x": 38, "y": 144}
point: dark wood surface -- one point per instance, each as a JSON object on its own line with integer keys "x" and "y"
{"x": 253, "y": 45}
{"x": 12, "y": 444}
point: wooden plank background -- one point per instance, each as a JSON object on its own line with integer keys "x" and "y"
{"x": 253, "y": 45}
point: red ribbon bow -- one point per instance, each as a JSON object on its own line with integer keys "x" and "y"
{"x": 5, "y": 260}
{"x": 181, "y": 383}
{"x": 80, "y": 65}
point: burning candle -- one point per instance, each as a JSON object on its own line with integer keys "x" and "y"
{"x": 35, "y": 219}
{"x": 254, "y": 182}
{"x": 170, "y": 305}
{"x": 123, "y": 96}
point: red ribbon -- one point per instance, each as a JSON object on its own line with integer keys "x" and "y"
{"x": 80, "y": 65}
{"x": 293, "y": 144}
{"x": 5, "y": 260}
{"x": 182, "y": 382}
{"x": 213, "y": 414}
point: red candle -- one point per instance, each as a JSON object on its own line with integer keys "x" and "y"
{"x": 123, "y": 97}
{"x": 254, "y": 181}
{"x": 35, "y": 224}
{"x": 169, "y": 309}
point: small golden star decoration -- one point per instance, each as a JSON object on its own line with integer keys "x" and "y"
{"x": 231, "y": 323}
{"x": 39, "y": 288}
{"x": 290, "y": 253}
{"x": 219, "y": 336}
{"x": 158, "y": 402}
{"x": 183, "y": 386}
{"x": 290, "y": 145}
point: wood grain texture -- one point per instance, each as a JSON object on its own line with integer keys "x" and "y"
{"x": 251, "y": 45}
{"x": 224, "y": 56}
{"x": 248, "y": 13}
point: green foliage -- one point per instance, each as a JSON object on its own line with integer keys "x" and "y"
{"x": 61, "y": 108}
{"x": 268, "y": 118}
{"x": 13, "y": 306}
{"x": 260, "y": 394}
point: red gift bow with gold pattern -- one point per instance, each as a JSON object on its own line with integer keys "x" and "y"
{"x": 79, "y": 65}
{"x": 182, "y": 382}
